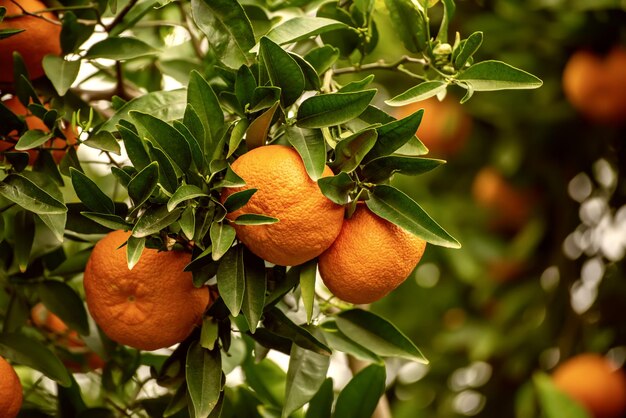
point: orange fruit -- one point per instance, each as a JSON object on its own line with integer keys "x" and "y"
{"x": 33, "y": 122}
{"x": 370, "y": 257}
{"x": 154, "y": 305}
{"x": 595, "y": 383}
{"x": 10, "y": 391}
{"x": 45, "y": 320}
{"x": 596, "y": 86}
{"x": 39, "y": 38}
{"x": 509, "y": 207}
{"x": 308, "y": 221}
{"x": 445, "y": 125}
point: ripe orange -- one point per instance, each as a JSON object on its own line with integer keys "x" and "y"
{"x": 45, "y": 320}
{"x": 596, "y": 86}
{"x": 40, "y": 38}
{"x": 370, "y": 257}
{"x": 594, "y": 382}
{"x": 308, "y": 221}
{"x": 10, "y": 391}
{"x": 445, "y": 126}
{"x": 33, "y": 122}
{"x": 154, "y": 305}
{"x": 509, "y": 207}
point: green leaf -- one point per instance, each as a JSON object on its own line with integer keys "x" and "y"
{"x": 322, "y": 58}
{"x": 222, "y": 238}
{"x": 448, "y": 12}
{"x": 377, "y": 335}
{"x": 497, "y": 75}
{"x": 468, "y": 48}
{"x": 350, "y": 151}
{"x": 25, "y": 193}
{"x": 357, "y": 85}
{"x": 164, "y": 105}
{"x": 360, "y": 396}
{"x": 311, "y": 146}
{"x": 337, "y": 188}
{"x": 394, "y": 135}
{"x": 311, "y": 78}
{"x": 267, "y": 380}
{"x": 60, "y": 72}
{"x": 188, "y": 222}
{"x": 154, "y": 220}
{"x": 119, "y": 49}
{"x": 167, "y": 174}
{"x": 231, "y": 279}
{"x": 554, "y": 402}
{"x": 227, "y": 29}
{"x": 337, "y": 340}
{"x": 73, "y": 33}
{"x": 202, "y": 98}
{"x": 345, "y": 40}
{"x": 113, "y": 222}
{"x": 197, "y": 154}
{"x": 255, "y": 219}
{"x": 24, "y": 233}
{"x": 32, "y": 139}
{"x": 143, "y": 184}
{"x": 167, "y": 138}
{"x": 303, "y": 27}
{"x": 56, "y": 224}
{"x": 331, "y": 109}
{"x": 254, "y": 294}
{"x": 64, "y": 302}
{"x": 103, "y": 140}
{"x": 308, "y": 272}
{"x": 305, "y": 375}
{"x": 381, "y": 169}
{"x": 32, "y": 353}
{"x": 7, "y": 33}
{"x": 277, "y": 322}
{"x": 134, "y": 148}
{"x": 203, "y": 374}
{"x": 231, "y": 179}
{"x": 264, "y": 97}
{"x": 90, "y": 194}
{"x": 238, "y": 199}
{"x": 183, "y": 193}
{"x": 283, "y": 71}
{"x": 256, "y": 134}
{"x": 321, "y": 404}
{"x": 418, "y": 93}
{"x": 393, "y": 205}
{"x": 245, "y": 84}
{"x": 134, "y": 248}
{"x": 236, "y": 136}
{"x": 410, "y": 23}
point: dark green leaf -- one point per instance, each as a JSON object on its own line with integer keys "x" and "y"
{"x": 393, "y": 205}
{"x": 118, "y": 49}
{"x": 418, "y": 93}
{"x": 144, "y": 183}
{"x": 24, "y": 234}
{"x": 377, "y": 335}
{"x": 410, "y": 23}
{"x": 497, "y": 75}
{"x": 394, "y": 135}
{"x": 32, "y": 353}
{"x": 64, "y": 302}
{"x": 267, "y": 380}
{"x": 24, "y": 192}
{"x": 264, "y": 97}
{"x": 202, "y": 98}
{"x": 231, "y": 279}
{"x": 113, "y": 222}
{"x": 350, "y": 151}
{"x": 333, "y": 109}
{"x": 311, "y": 146}
{"x": 60, "y": 72}
{"x": 322, "y": 58}
{"x": 195, "y": 146}
{"x": 305, "y": 375}
{"x": 283, "y": 71}
{"x": 183, "y": 193}
{"x": 337, "y": 188}
{"x": 103, "y": 140}
{"x": 276, "y": 321}
{"x": 244, "y": 85}
{"x": 222, "y": 238}
{"x": 308, "y": 272}
{"x": 311, "y": 78}
{"x": 154, "y": 220}
{"x": 231, "y": 179}
{"x": 134, "y": 148}
{"x": 345, "y": 40}
{"x": 32, "y": 139}
{"x": 337, "y": 340}
{"x": 448, "y": 12}
{"x": 227, "y": 29}
{"x": 7, "y": 33}
{"x": 134, "y": 248}
{"x": 254, "y": 295}
{"x": 238, "y": 199}
{"x": 321, "y": 404}
{"x": 90, "y": 194}
{"x": 167, "y": 174}
{"x": 468, "y": 49}
{"x": 357, "y": 85}
{"x": 73, "y": 33}
{"x": 203, "y": 374}
{"x": 256, "y": 134}
{"x": 255, "y": 219}
{"x": 167, "y": 138}
{"x": 360, "y": 396}
{"x": 382, "y": 168}
{"x": 236, "y": 136}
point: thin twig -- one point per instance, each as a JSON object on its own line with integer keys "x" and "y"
{"x": 381, "y": 65}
